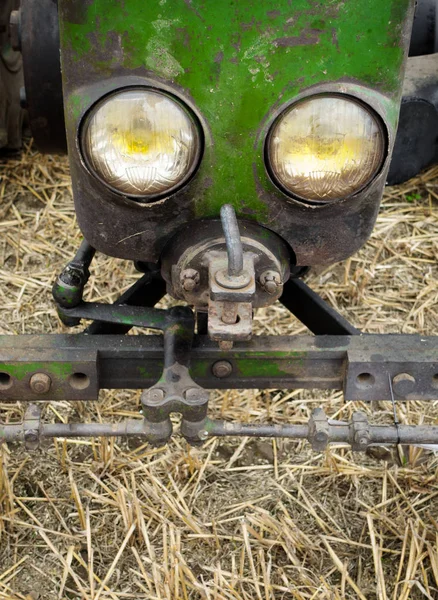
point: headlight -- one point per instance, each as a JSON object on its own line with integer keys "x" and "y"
{"x": 141, "y": 142}
{"x": 325, "y": 148}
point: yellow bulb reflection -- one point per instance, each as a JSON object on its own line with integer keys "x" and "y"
{"x": 326, "y": 148}
{"x": 141, "y": 142}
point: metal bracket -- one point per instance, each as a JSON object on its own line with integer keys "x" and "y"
{"x": 318, "y": 430}
{"x": 223, "y": 328}
{"x": 360, "y": 432}
{"x": 32, "y": 427}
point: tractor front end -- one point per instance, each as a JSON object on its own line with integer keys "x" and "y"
{"x": 225, "y": 148}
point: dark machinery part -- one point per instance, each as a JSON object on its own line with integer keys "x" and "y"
{"x": 81, "y": 365}
{"x": 147, "y": 291}
{"x": 175, "y": 371}
{"x": 226, "y": 269}
{"x": 232, "y": 240}
{"x": 38, "y": 40}
{"x": 319, "y": 431}
{"x": 416, "y": 143}
{"x": 68, "y": 289}
{"x": 310, "y": 309}
{"x": 11, "y": 80}
{"x": 424, "y": 38}
{"x": 191, "y": 259}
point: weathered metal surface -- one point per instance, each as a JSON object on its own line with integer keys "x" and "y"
{"x": 371, "y": 366}
{"x": 146, "y": 291}
{"x": 11, "y": 82}
{"x": 73, "y": 371}
{"x": 200, "y": 245}
{"x": 416, "y": 144}
{"x": 283, "y": 362}
{"x": 309, "y": 308}
{"x": 236, "y": 65}
{"x": 319, "y": 431}
{"x": 229, "y": 321}
{"x": 424, "y": 39}
{"x": 42, "y": 74}
{"x": 334, "y": 431}
{"x": 233, "y": 241}
{"x": 69, "y": 287}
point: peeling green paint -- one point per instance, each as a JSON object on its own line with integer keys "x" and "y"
{"x": 237, "y": 60}
{"x": 256, "y": 365}
{"x": 21, "y": 371}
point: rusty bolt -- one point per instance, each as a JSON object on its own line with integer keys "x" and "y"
{"x": 31, "y": 436}
{"x": 361, "y": 439}
{"x": 15, "y": 30}
{"x": 270, "y": 281}
{"x": 403, "y": 384}
{"x": 40, "y": 383}
{"x": 222, "y": 368}
{"x": 225, "y": 345}
{"x": 189, "y": 279}
{"x": 194, "y": 395}
{"x": 156, "y": 395}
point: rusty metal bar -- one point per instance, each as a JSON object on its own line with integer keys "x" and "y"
{"x": 338, "y": 432}
{"x": 80, "y": 365}
{"x": 309, "y": 308}
{"x": 319, "y": 431}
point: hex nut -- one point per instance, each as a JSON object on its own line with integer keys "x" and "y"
{"x": 403, "y": 384}
{"x": 222, "y": 368}
{"x": 40, "y": 383}
{"x": 270, "y": 281}
{"x": 189, "y": 279}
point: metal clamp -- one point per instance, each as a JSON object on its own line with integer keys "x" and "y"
{"x": 318, "y": 430}
{"x": 359, "y": 432}
{"x": 32, "y": 427}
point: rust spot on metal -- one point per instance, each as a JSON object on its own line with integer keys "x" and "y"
{"x": 297, "y": 40}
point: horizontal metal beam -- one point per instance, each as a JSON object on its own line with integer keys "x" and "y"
{"x": 364, "y": 366}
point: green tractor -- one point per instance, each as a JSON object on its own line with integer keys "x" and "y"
{"x": 225, "y": 147}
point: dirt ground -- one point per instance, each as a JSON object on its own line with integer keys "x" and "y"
{"x": 238, "y": 519}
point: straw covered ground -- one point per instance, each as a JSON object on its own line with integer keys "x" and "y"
{"x": 238, "y": 519}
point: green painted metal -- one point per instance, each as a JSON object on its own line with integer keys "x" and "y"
{"x": 238, "y": 61}
{"x": 21, "y": 370}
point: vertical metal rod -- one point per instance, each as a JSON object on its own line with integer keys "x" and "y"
{"x": 85, "y": 254}
{"x": 232, "y": 240}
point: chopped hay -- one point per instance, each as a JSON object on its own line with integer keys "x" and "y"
{"x": 236, "y": 519}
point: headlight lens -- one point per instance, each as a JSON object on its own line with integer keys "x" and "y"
{"x": 325, "y": 148}
{"x": 141, "y": 142}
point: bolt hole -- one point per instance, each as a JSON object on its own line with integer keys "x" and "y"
{"x": 5, "y": 381}
{"x": 365, "y": 380}
{"x": 435, "y": 381}
{"x": 79, "y": 381}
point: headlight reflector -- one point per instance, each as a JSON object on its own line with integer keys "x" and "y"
{"x": 325, "y": 148}
{"x": 141, "y": 142}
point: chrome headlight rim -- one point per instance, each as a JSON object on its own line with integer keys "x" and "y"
{"x": 328, "y": 93}
{"x": 142, "y": 199}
